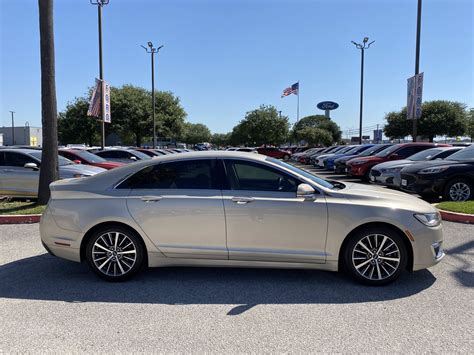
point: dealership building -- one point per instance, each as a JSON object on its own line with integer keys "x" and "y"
{"x": 24, "y": 135}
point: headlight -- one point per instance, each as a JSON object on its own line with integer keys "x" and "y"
{"x": 79, "y": 175}
{"x": 358, "y": 162}
{"x": 429, "y": 219}
{"x": 434, "y": 170}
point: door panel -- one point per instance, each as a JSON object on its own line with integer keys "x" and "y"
{"x": 275, "y": 226}
{"x": 182, "y": 223}
{"x": 269, "y": 222}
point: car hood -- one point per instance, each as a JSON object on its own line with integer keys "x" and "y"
{"x": 370, "y": 159}
{"x": 346, "y": 157}
{"x": 381, "y": 196}
{"x": 418, "y": 166}
{"x": 393, "y": 164}
{"x": 71, "y": 170}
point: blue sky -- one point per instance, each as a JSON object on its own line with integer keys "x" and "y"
{"x": 224, "y": 58}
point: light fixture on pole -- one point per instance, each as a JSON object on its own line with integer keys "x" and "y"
{"x": 100, "y": 4}
{"x": 152, "y": 50}
{"x": 365, "y": 45}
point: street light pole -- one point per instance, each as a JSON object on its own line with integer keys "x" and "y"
{"x": 152, "y": 51}
{"x": 13, "y": 127}
{"x": 100, "y": 4}
{"x": 362, "y": 48}
{"x": 417, "y": 60}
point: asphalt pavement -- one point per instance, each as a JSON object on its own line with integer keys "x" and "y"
{"x": 52, "y": 305}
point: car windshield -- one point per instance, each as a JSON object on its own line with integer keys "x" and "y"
{"x": 386, "y": 152}
{"x": 425, "y": 154}
{"x": 467, "y": 154}
{"x": 61, "y": 160}
{"x": 373, "y": 150}
{"x": 91, "y": 158}
{"x": 345, "y": 150}
{"x": 312, "y": 177}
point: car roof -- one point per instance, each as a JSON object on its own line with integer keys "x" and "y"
{"x": 20, "y": 150}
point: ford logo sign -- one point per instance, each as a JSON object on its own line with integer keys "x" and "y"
{"x": 328, "y": 105}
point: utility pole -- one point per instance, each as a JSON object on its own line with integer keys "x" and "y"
{"x": 152, "y": 51}
{"x": 417, "y": 60}
{"x": 362, "y": 48}
{"x": 279, "y": 113}
{"x": 13, "y": 127}
{"x": 100, "y": 4}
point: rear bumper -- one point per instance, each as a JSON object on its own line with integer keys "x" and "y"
{"x": 59, "y": 242}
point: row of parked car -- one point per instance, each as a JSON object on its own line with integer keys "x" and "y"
{"x": 19, "y": 166}
{"x": 428, "y": 169}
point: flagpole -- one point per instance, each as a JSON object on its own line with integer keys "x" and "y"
{"x": 298, "y": 104}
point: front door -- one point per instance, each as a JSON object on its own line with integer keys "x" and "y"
{"x": 179, "y": 206}
{"x": 265, "y": 219}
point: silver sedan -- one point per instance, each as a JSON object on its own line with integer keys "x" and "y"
{"x": 19, "y": 171}
{"x": 241, "y": 210}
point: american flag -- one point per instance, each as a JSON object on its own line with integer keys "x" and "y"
{"x": 94, "y": 105}
{"x": 293, "y": 89}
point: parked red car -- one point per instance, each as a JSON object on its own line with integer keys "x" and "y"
{"x": 360, "y": 167}
{"x": 84, "y": 157}
{"x": 274, "y": 152}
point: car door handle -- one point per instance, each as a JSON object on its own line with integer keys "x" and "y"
{"x": 148, "y": 199}
{"x": 242, "y": 200}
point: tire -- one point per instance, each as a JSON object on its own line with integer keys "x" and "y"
{"x": 115, "y": 263}
{"x": 286, "y": 157}
{"x": 366, "y": 177}
{"x": 373, "y": 269}
{"x": 458, "y": 189}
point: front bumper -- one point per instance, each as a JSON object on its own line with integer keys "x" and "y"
{"x": 385, "y": 179}
{"x": 423, "y": 185}
{"x": 427, "y": 247}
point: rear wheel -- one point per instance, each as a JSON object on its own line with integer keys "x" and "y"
{"x": 458, "y": 190}
{"x": 115, "y": 253}
{"x": 375, "y": 256}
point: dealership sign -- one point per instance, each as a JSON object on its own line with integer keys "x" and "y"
{"x": 414, "y": 96}
{"x": 327, "y": 105}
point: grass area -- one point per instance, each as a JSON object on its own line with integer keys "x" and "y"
{"x": 17, "y": 207}
{"x": 460, "y": 207}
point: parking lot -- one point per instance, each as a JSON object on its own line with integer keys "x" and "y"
{"x": 48, "y": 304}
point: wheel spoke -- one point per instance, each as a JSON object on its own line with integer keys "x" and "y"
{"x": 389, "y": 259}
{"x": 378, "y": 271}
{"x": 101, "y": 247}
{"x": 363, "y": 245}
{"x": 362, "y": 264}
{"x": 126, "y": 252}
{"x": 381, "y": 245}
{"x": 105, "y": 262}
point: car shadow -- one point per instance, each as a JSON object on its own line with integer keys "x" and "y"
{"x": 45, "y": 277}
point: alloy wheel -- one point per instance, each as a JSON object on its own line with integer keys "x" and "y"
{"x": 459, "y": 191}
{"x": 114, "y": 254}
{"x": 376, "y": 257}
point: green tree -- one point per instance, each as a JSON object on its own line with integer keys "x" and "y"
{"x": 194, "y": 133}
{"x": 318, "y": 121}
{"x": 315, "y": 136}
{"x": 438, "y": 118}
{"x": 49, "y": 116}
{"x": 220, "y": 139}
{"x": 131, "y": 117}
{"x": 397, "y": 124}
{"x": 470, "y": 124}
{"x": 74, "y": 126}
{"x": 261, "y": 126}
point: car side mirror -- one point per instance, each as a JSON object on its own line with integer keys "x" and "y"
{"x": 133, "y": 158}
{"x": 32, "y": 166}
{"x": 77, "y": 161}
{"x": 305, "y": 191}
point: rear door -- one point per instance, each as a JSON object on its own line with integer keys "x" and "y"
{"x": 179, "y": 206}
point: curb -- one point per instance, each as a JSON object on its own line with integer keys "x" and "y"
{"x": 20, "y": 219}
{"x": 456, "y": 217}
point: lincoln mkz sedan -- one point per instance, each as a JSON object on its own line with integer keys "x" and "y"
{"x": 240, "y": 210}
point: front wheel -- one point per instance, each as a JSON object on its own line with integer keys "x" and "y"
{"x": 286, "y": 157}
{"x": 115, "y": 253}
{"x": 458, "y": 190}
{"x": 375, "y": 256}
